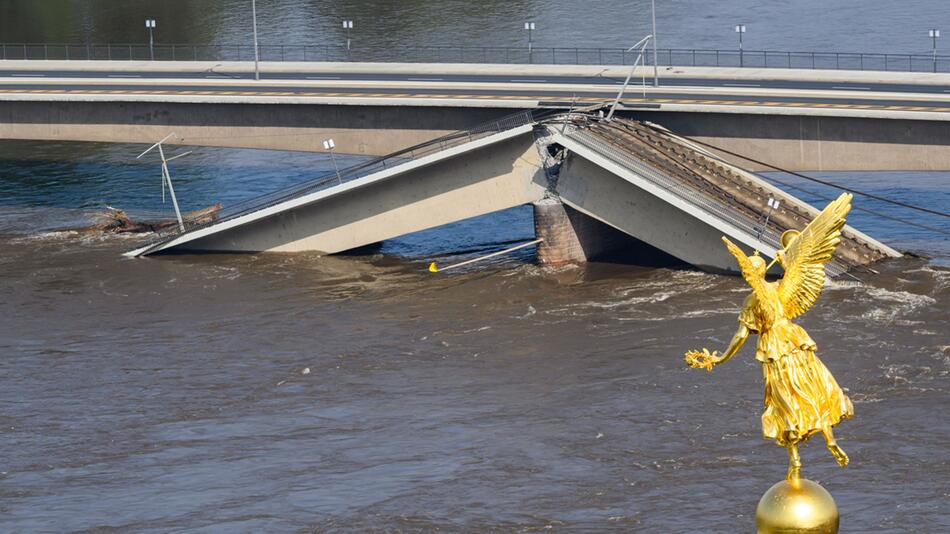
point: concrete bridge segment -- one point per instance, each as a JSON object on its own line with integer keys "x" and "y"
{"x": 672, "y": 209}
{"x": 490, "y": 174}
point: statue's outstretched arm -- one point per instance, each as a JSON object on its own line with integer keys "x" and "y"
{"x": 737, "y": 341}
{"x": 706, "y": 360}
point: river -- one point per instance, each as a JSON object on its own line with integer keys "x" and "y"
{"x": 296, "y": 393}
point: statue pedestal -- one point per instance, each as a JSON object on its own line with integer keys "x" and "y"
{"x": 799, "y": 506}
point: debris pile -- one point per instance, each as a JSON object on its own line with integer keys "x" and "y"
{"x": 118, "y": 222}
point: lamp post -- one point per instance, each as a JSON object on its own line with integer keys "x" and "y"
{"x": 642, "y": 45}
{"x": 934, "y": 33}
{"x": 740, "y": 29}
{"x": 348, "y": 25}
{"x": 656, "y": 70}
{"x": 530, "y": 27}
{"x": 150, "y": 24}
{"x": 329, "y": 145}
{"x": 257, "y": 56}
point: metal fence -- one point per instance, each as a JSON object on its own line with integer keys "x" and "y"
{"x": 686, "y": 57}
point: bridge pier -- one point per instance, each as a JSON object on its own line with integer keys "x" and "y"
{"x": 573, "y": 237}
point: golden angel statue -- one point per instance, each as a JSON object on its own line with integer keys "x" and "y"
{"x": 802, "y": 398}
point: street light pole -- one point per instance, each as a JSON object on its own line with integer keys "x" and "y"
{"x": 642, "y": 45}
{"x": 150, "y": 24}
{"x": 530, "y": 27}
{"x": 329, "y": 145}
{"x": 348, "y": 25}
{"x": 656, "y": 69}
{"x": 740, "y": 29}
{"x": 934, "y": 33}
{"x": 257, "y": 57}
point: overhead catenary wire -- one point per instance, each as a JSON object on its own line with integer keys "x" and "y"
{"x": 834, "y": 185}
{"x": 820, "y": 181}
{"x": 858, "y": 208}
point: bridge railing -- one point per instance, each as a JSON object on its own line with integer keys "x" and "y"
{"x": 685, "y": 57}
{"x": 329, "y": 179}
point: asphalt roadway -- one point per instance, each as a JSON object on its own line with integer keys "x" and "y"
{"x": 547, "y": 90}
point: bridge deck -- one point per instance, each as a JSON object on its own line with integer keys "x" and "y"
{"x": 634, "y": 176}
{"x": 717, "y": 187}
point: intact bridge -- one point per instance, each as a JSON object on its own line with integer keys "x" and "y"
{"x": 800, "y": 119}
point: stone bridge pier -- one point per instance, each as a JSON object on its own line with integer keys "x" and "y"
{"x": 571, "y": 236}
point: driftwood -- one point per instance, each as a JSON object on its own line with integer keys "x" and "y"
{"x": 118, "y": 222}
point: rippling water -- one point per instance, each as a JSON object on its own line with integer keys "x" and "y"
{"x": 802, "y": 25}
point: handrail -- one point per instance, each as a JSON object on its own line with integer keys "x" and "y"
{"x": 695, "y": 57}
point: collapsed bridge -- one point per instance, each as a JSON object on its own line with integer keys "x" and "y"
{"x": 597, "y": 186}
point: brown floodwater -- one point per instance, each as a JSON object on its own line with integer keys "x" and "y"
{"x": 172, "y": 394}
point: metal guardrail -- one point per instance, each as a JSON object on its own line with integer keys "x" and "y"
{"x": 682, "y": 57}
{"x": 332, "y": 178}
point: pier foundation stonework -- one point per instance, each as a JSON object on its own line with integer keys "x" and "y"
{"x": 571, "y": 236}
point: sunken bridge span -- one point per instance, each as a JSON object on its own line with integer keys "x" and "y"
{"x": 598, "y": 187}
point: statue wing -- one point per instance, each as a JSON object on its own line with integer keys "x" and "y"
{"x": 806, "y": 255}
{"x": 746, "y": 267}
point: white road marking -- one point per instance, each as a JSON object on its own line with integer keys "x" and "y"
{"x": 742, "y": 85}
{"x": 849, "y": 88}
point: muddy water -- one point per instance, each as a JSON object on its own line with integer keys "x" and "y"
{"x": 168, "y": 395}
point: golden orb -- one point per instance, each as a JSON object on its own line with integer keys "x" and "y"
{"x": 796, "y": 506}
